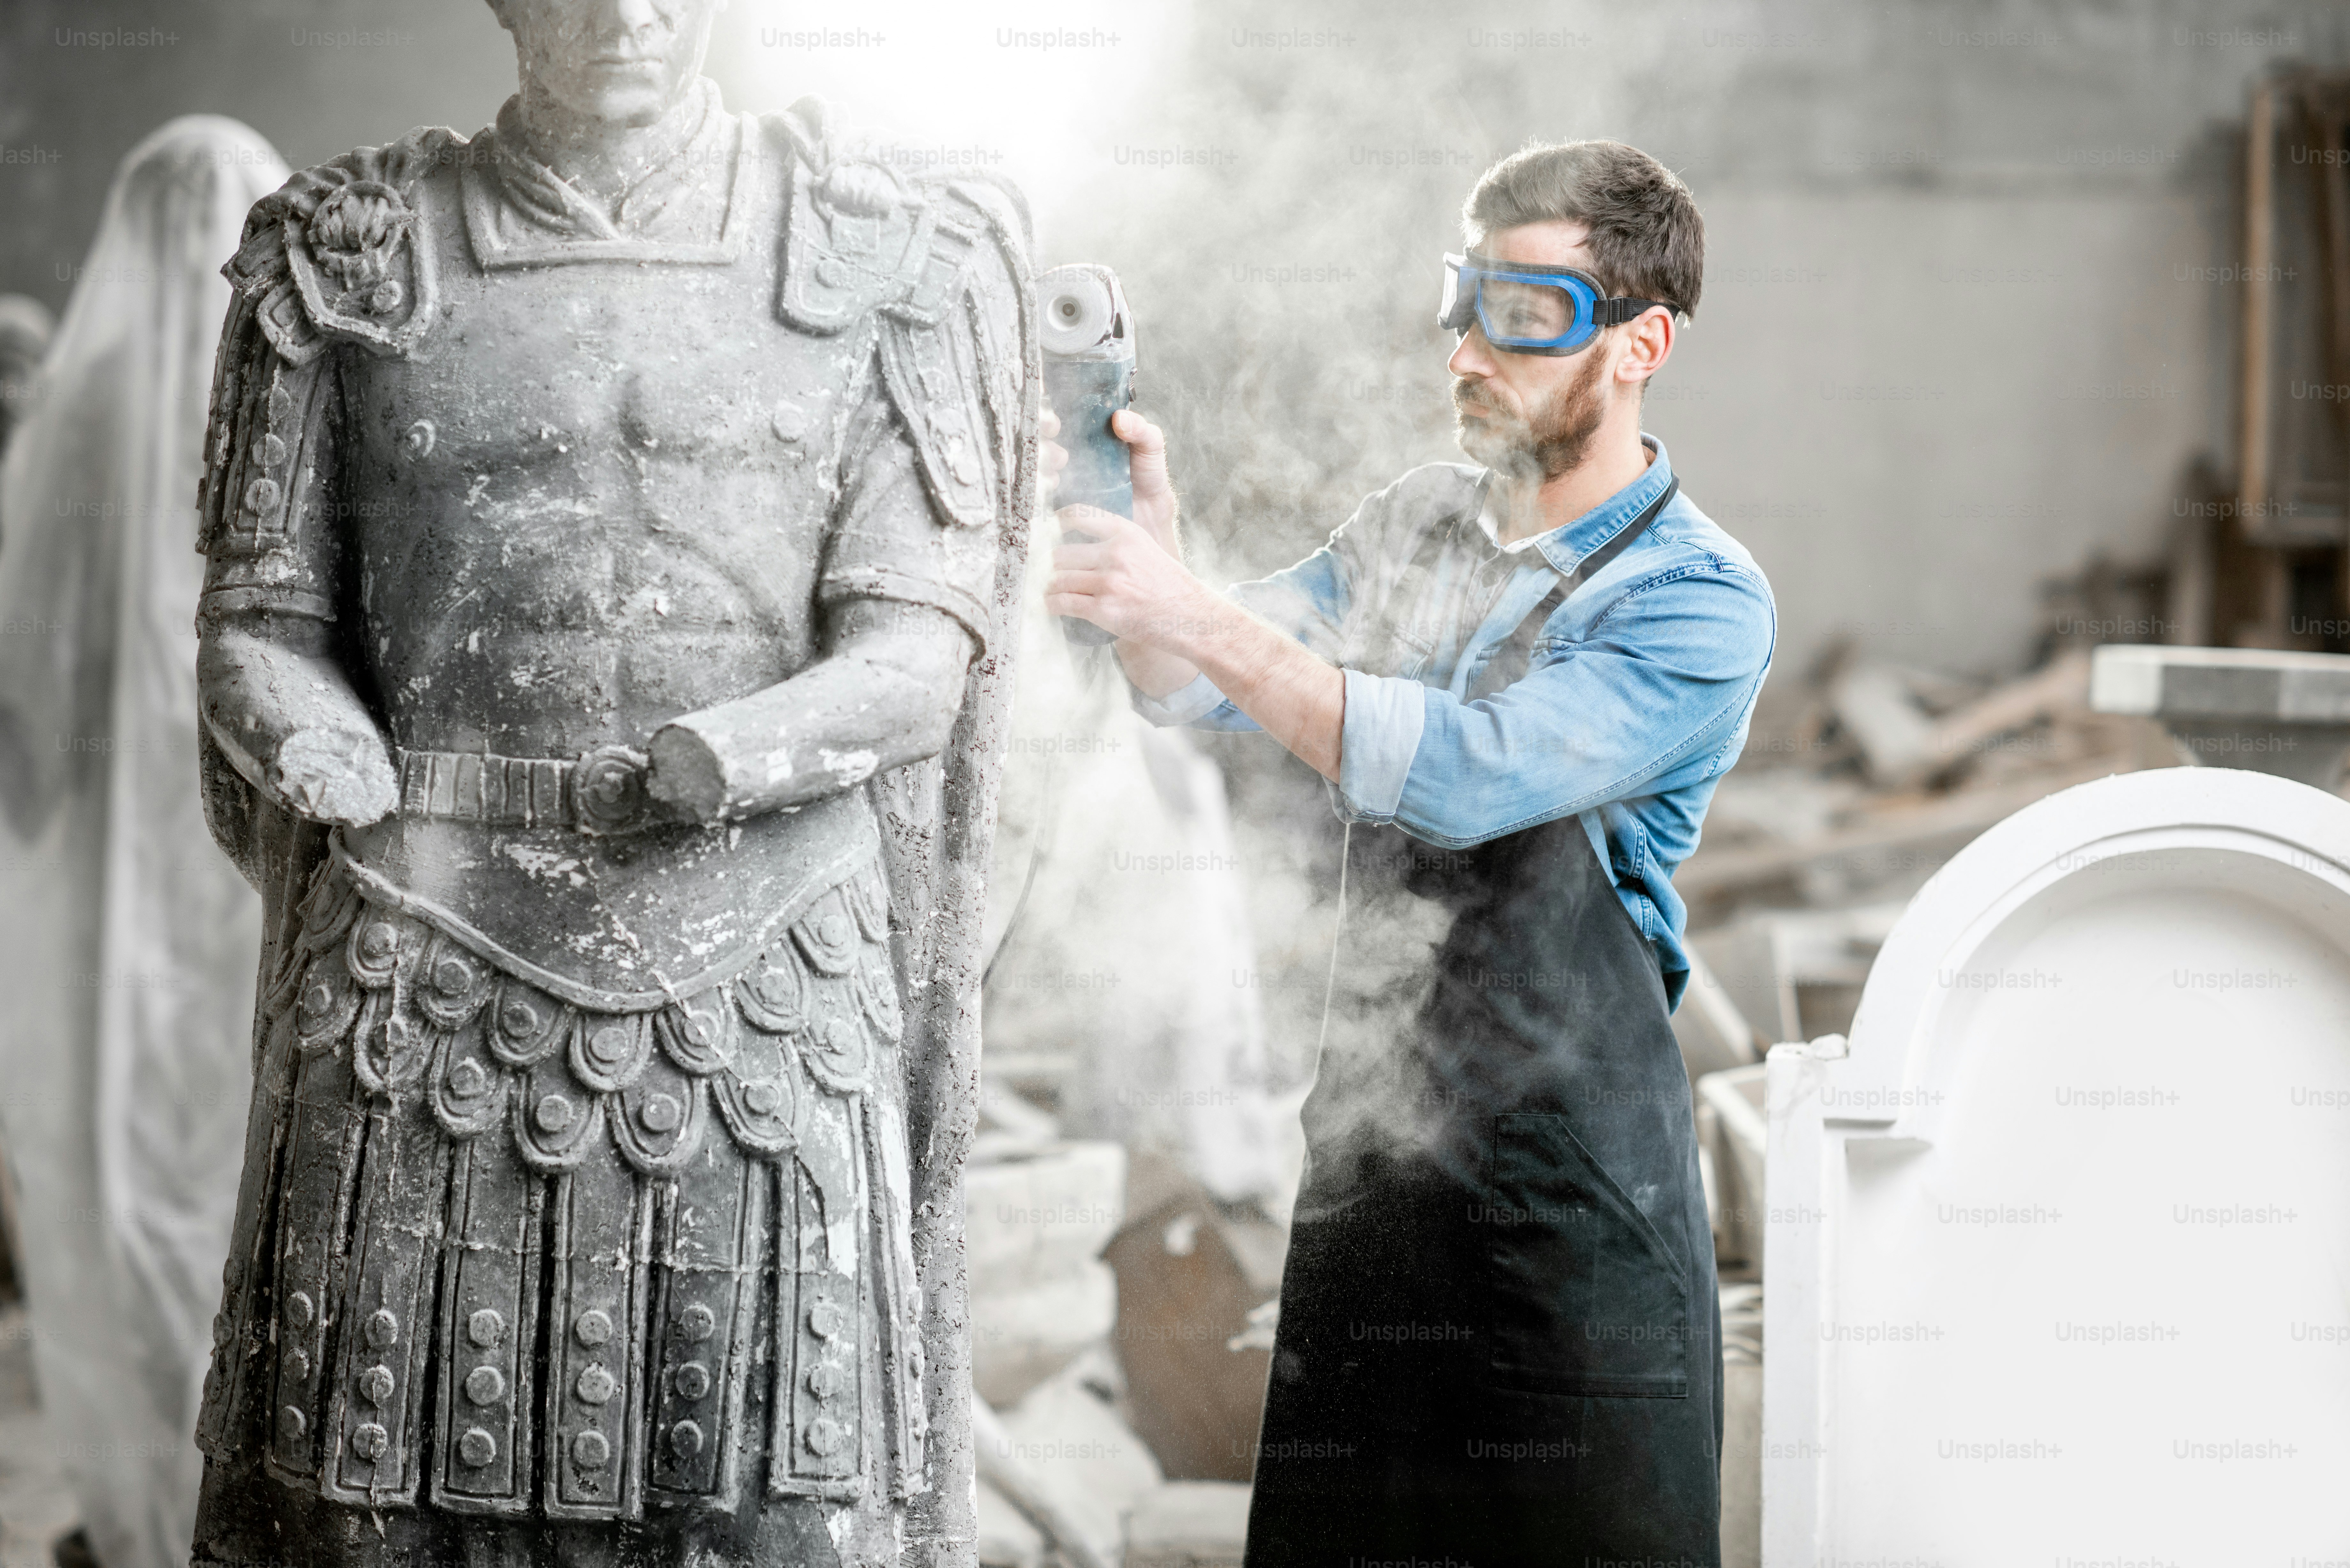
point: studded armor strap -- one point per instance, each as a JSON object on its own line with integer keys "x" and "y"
{"x": 595, "y": 1346}
{"x": 715, "y": 1218}
{"x": 321, "y": 1150}
{"x": 379, "y": 1393}
{"x": 490, "y": 1278}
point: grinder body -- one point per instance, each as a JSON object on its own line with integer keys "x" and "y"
{"x": 1088, "y": 362}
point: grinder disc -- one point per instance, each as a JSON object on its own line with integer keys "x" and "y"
{"x": 1078, "y": 309}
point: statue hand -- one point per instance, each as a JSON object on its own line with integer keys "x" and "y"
{"x": 687, "y": 779}
{"x": 337, "y": 776}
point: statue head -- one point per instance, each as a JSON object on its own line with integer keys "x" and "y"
{"x": 624, "y": 62}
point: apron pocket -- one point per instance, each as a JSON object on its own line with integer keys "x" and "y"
{"x": 1583, "y": 1295}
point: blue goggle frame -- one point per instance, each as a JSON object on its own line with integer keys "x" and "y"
{"x": 1589, "y": 307}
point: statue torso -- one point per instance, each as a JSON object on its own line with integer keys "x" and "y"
{"x": 594, "y": 498}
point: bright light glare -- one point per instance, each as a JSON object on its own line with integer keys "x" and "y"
{"x": 1037, "y": 90}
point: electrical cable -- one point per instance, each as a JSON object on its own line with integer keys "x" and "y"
{"x": 1330, "y": 986}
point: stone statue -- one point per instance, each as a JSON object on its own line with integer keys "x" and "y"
{"x": 615, "y": 522}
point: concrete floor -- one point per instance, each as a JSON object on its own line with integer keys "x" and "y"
{"x": 34, "y": 1508}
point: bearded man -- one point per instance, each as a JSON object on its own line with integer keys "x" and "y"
{"x": 1498, "y": 1335}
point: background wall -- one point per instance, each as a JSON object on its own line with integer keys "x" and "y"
{"x": 1970, "y": 295}
{"x": 1970, "y": 305}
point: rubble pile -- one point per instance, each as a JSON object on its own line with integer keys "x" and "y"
{"x": 1859, "y": 784}
{"x": 1118, "y": 1371}
{"x": 1038, "y": 1211}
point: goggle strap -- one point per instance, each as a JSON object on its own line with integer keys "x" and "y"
{"x": 1615, "y": 312}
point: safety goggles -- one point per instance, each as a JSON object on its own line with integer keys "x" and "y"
{"x": 1525, "y": 308}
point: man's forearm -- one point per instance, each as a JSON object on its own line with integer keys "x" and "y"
{"x": 1297, "y": 699}
{"x": 1155, "y": 672}
{"x": 1128, "y": 579}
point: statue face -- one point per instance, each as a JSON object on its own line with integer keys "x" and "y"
{"x": 626, "y": 62}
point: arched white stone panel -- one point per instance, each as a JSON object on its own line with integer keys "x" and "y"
{"x": 2058, "y": 1248}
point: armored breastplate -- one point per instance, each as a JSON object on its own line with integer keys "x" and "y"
{"x": 595, "y": 496}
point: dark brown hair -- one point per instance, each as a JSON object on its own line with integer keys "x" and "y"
{"x": 1647, "y": 239}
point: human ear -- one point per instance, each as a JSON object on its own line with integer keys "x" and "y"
{"x": 1648, "y": 343}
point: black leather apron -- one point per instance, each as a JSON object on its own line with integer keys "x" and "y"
{"x": 1499, "y": 1323}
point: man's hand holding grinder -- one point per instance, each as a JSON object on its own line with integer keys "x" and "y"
{"x": 1173, "y": 628}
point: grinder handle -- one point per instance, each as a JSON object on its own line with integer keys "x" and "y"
{"x": 1085, "y": 393}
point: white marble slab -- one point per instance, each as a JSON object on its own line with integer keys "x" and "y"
{"x": 2268, "y": 709}
{"x": 2059, "y": 1246}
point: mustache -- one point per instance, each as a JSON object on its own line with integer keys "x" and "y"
{"x": 1468, "y": 394}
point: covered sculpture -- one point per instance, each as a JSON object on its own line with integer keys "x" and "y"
{"x": 24, "y": 331}
{"x": 614, "y": 523}
{"x": 127, "y": 945}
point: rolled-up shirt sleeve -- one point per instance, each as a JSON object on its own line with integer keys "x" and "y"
{"x": 1652, "y": 696}
{"x": 1185, "y": 705}
{"x": 1385, "y": 716}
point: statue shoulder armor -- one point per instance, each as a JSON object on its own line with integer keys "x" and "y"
{"x": 940, "y": 268}
{"x": 338, "y": 253}
{"x": 967, "y": 324}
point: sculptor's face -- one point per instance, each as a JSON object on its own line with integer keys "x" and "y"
{"x": 626, "y": 62}
{"x": 1535, "y": 412}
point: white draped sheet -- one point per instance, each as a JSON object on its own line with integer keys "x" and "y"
{"x": 127, "y": 942}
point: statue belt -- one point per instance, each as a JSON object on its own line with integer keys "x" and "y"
{"x": 602, "y": 791}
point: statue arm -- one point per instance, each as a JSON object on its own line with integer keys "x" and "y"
{"x": 277, "y": 704}
{"x": 885, "y": 694}
{"x": 903, "y": 619}
{"x": 929, "y": 486}
{"x": 275, "y": 695}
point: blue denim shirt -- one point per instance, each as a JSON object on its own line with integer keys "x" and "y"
{"x": 1635, "y": 704}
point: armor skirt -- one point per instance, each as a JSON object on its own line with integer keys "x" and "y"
{"x": 501, "y": 1252}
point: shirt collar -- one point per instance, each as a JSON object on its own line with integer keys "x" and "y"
{"x": 1566, "y": 546}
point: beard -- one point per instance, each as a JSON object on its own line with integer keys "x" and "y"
{"x": 1543, "y": 443}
